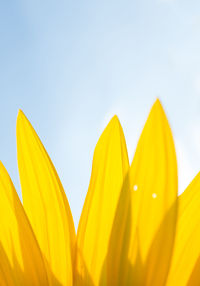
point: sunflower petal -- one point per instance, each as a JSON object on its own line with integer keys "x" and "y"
{"x": 154, "y": 203}
{"x": 6, "y": 273}
{"x": 45, "y": 202}
{"x": 21, "y": 261}
{"x": 185, "y": 262}
{"x": 110, "y": 166}
{"x": 146, "y": 215}
{"x": 117, "y": 257}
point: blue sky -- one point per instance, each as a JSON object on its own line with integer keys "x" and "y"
{"x": 71, "y": 65}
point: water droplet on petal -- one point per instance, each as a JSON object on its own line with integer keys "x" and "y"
{"x": 154, "y": 195}
{"x": 135, "y": 187}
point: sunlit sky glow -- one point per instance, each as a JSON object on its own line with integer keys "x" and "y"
{"x": 71, "y": 65}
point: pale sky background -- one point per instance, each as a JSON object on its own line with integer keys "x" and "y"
{"x": 71, "y": 65}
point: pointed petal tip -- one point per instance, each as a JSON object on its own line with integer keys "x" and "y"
{"x": 20, "y": 114}
{"x": 157, "y": 100}
{"x": 115, "y": 120}
{"x": 114, "y": 124}
{"x": 157, "y": 109}
{"x": 157, "y": 104}
{"x": 21, "y": 120}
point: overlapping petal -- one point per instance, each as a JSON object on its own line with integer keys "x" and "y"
{"x": 154, "y": 204}
{"x": 110, "y": 166}
{"x": 21, "y": 261}
{"x": 133, "y": 230}
{"x": 150, "y": 219}
{"x": 185, "y": 264}
{"x": 45, "y": 203}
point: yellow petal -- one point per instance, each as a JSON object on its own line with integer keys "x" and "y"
{"x": 154, "y": 203}
{"x": 21, "y": 261}
{"x": 145, "y": 228}
{"x": 7, "y": 277}
{"x": 185, "y": 263}
{"x": 110, "y": 166}
{"x": 117, "y": 255}
{"x": 45, "y": 202}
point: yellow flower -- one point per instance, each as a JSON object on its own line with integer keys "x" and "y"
{"x": 134, "y": 229}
